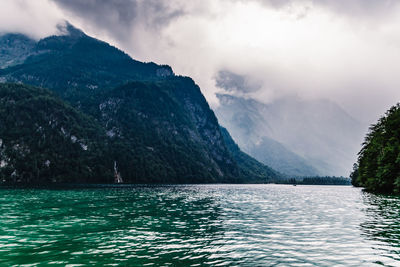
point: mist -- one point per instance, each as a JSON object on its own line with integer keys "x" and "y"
{"x": 37, "y": 19}
{"x": 347, "y": 52}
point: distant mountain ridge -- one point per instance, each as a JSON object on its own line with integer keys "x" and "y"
{"x": 248, "y": 126}
{"x": 314, "y": 137}
{"x": 157, "y": 126}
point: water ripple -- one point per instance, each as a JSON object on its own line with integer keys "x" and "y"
{"x": 207, "y": 225}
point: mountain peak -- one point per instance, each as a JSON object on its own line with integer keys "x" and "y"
{"x": 68, "y": 29}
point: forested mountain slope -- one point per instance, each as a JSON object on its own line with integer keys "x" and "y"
{"x": 157, "y": 126}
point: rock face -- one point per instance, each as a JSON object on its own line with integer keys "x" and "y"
{"x": 157, "y": 126}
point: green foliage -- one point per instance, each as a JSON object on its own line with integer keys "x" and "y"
{"x": 379, "y": 159}
{"x": 354, "y": 175}
{"x": 158, "y": 127}
{"x": 45, "y": 140}
{"x": 318, "y": 180}
{"x": 159, "y": 139}
{"x": 327, "y": 180}
{"x": 76, "y": 65}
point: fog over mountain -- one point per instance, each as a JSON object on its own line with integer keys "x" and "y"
{"x": 291, "y": 134}
{"x": 346, "y": 52}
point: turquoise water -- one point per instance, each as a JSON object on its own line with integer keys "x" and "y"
{"x": 200, "y": 225}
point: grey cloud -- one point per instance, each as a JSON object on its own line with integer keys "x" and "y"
{"x": 366, "y": 7}
{"x": 235, "y": 83}
{"x": 158, "y": 13}
{"x": 36, "y": 19}
{"x": 343, "y": 50}
{"x": 119, "y": 16}
{"x": 348, "y": 7}
{"x": 191, "y": 36}
{"x": 96, "y": 9}
{"x": 116, "y": 16}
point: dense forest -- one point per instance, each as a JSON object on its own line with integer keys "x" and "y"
{"x": 378, "y": 165}
{"x": 45, "y": 140}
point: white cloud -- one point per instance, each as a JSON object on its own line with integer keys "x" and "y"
{"x": 34, "y": 18}
{"x": 346, "y": 51}
{"x": 303, "y": 49}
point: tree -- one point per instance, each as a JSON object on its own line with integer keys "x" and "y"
{"x": 354, "y": 175}
{"x": 379, "y": 159}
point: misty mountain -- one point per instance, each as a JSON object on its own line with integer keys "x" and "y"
{"x": 247, "y": 125}
{"x": 249, "y": 167}
{"x": 157, "y": 126}
{"x": 74, "y": 65}
{"x": 293, "y": 135}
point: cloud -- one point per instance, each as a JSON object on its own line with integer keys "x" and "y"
{"x": 235, "y": 84}
{"x": 301, "y": 48}
{"x": 34, "y": 18}
{"x": 346, "y": 51}
{"x": 118, "y": 17}
{"x": 353, "y": 8}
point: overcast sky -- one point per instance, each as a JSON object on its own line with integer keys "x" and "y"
{"x": 345, "y": 50}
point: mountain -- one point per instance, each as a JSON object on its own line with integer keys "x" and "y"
{"x": 249, "y": 167}
{"x": 76, "y": 65}
{"x": 156, "y": 126}
{"x": 280, "y": 158}
{"x": 248, "y": 126}
{"x": 14, "y": 49}
{"x": 307, "y": 137}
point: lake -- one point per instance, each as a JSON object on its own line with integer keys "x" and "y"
{"x": 200, "y": 225}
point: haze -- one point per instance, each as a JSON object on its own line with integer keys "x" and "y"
{"x": 345, "y": 51}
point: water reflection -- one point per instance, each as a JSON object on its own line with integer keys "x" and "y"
{"x": 382, "y": 224}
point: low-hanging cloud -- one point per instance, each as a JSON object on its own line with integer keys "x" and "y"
{"x": 346, "y": 51}
{"x": 118, "y": 17}
{"x": 36, "y": 19}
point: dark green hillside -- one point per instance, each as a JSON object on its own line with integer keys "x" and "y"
{"x": 75, "y": 65}
{"x": 378, "y": 167}
{"x": 155, "y": 139}
{"x": 44, "y": 140}
{"x": 248, "y": 166}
